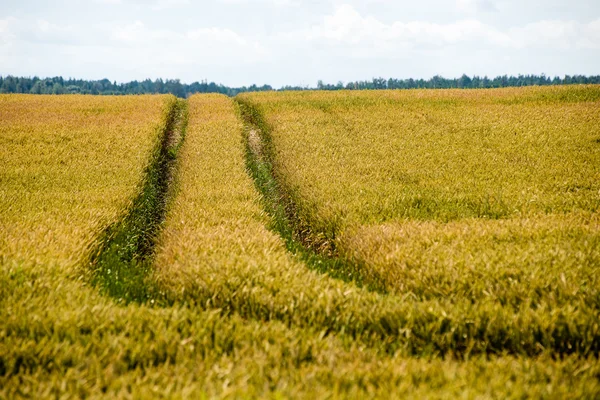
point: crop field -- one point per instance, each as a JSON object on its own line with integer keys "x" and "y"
{"x": 477, "y": 199}
{"x": 428, "y": 244}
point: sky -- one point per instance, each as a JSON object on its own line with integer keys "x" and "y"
{"x": 295, "y": 42}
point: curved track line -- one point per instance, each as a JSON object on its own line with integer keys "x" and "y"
{"x": 317, "y": 253}
{"x": 123, "y": 259}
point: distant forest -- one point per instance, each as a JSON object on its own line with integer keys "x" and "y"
{"x": 59, "y": 85}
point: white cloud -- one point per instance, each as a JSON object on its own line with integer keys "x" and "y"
{"x": 165, "y": 4}
{"x": 212, "y": 42}
{"x": 137, "y": 34}
{"x": 38, "y": 31}
{"x": 199, "y": 47}
{"x": 474, "y": 6}
{"x": 255, "y": 41}
{"x": 545, "y": 33}
{"x": 557, "y": 34}
{"x": 48, "y": 31}
{"x": 155, "y": 5}
{"x": 273, "y": 3}
{"x": 346, "y": 26}
{"x": 216, "y": 35}
{"x": 591, "y": 40}
{"x": 7, "y": 36}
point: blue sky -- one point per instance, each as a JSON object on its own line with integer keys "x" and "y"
{"x": 279, "y": 42}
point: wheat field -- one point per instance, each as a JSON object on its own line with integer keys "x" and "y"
{"x": 385, "y": 244}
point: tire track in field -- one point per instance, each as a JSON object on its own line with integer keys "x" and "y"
{"x": 313, "y": 248}
{"x": 123, "y": 259}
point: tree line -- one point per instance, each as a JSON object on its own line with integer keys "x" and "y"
{"x": 59, "y": 85}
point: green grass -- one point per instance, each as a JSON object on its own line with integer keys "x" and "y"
{"x": 298, "y": 239}
{"x": 123, "y": 261}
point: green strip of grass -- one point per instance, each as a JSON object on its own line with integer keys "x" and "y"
{"x": 316, "y": 252}
{"x": 123, "y": 260}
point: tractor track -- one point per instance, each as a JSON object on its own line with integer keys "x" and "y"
{"x": 123, "y": 258}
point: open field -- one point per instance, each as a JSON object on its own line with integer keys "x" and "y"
{"x": 459, "y": 231}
